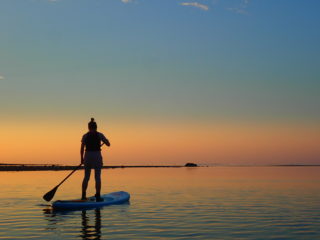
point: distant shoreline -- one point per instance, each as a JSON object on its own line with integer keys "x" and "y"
{"x": 50, "y": 167}
{"x": 54, "y": 167}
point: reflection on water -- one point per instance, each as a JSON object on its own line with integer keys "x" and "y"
{"x": 91, "y": 231}
{"x": 200, "y": 203}
{"x": 90, "y": 225}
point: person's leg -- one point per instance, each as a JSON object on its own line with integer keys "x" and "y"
{"x": 87, "y": 172}
{"x": 97, "y": 175}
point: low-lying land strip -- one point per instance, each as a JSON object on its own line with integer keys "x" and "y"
{"x": 47, "y": 167}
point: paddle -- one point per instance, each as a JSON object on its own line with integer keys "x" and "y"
{"x": 49, "y": 195}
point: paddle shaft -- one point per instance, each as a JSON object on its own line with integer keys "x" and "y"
{"x": 70, "y": 173}
{"x": 49, "y": 195}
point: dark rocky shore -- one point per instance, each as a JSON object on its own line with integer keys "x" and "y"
{"x": 36, "y": 167}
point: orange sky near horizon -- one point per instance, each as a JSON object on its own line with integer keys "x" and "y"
{"x": 164, "y": 143}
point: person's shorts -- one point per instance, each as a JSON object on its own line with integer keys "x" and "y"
{"x": 93, "y": 159}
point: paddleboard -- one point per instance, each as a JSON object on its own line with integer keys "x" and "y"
{"x": 108, "y": 199}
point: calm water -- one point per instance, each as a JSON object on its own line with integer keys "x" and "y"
{"x": 169, "y": 203}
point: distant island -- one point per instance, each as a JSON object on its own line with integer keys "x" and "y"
{"x": 191, "y": 165}
{"x": 54, "y": 167}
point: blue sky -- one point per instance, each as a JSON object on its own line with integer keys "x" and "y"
{"x": 204, "y": 60}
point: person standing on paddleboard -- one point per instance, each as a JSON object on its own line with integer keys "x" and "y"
{"x": 91, "y": 157}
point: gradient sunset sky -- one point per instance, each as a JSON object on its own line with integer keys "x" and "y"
{"x": 168, "y": 81}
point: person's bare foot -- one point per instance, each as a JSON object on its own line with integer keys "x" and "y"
{"x": 99, "y": 198}
{"x": 84, "y": 197}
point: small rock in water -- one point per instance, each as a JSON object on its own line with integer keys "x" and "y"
{"x": 191, "y": 165}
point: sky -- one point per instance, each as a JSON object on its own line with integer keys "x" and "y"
{"x": 168, "y": 81}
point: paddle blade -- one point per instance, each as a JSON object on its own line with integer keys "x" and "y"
{"x": 49, "y": 195}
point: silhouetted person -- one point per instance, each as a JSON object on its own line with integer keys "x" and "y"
{"x": 91, "y": 157}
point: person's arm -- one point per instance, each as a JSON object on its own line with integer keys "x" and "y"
{"x": 105, "y": 140}
{"x": 82, "y": 152}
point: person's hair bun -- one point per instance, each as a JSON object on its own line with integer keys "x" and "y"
{"x": 92, "y": 125}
